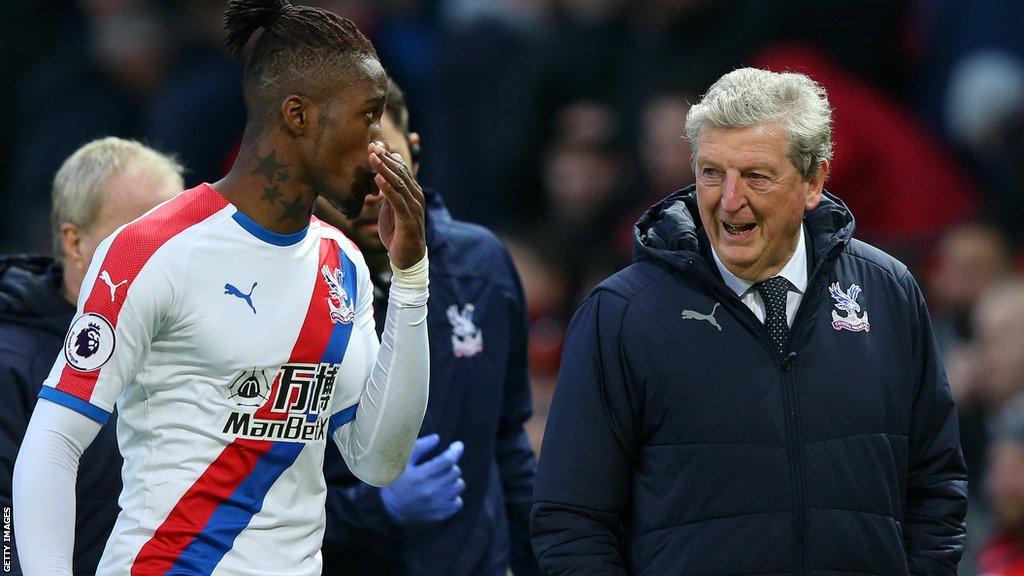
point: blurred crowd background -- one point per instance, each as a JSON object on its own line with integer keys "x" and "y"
{"x": 557, "y": 122}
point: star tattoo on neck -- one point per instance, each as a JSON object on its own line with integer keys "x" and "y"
{"x": 295, "y": 210}
{"x": 268, "y": 165}
{"x": 272, "y": 193}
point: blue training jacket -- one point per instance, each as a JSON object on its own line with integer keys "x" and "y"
{"x": 34, "y": 319}
{"x": 677, "y": 445}
{"x": 479, "y": 394}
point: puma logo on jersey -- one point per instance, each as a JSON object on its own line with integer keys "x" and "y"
{"x": 230, "y": 289}
{"x": 105, "y": 276}
{"x": 694, "y": 315}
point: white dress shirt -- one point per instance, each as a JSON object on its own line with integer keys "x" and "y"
{"x": 795, "y": 271}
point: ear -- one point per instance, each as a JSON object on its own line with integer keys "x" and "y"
{"x": 414, "y": 149}
{"x": 816, "y": 185}
{"x": 297, "y": 114}
{"x": 71, "y": 244}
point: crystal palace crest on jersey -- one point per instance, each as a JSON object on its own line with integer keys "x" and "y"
{"x": 847, "y": 302}
{"x": 343, "y": 310}
{"x": 467, "y": 339}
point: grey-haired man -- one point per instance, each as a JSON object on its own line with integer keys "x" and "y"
{"x": 758, "y": 393}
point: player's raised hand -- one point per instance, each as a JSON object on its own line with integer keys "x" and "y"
{"x": 401, "y": 223}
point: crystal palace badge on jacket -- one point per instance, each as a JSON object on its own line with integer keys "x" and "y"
{"x": 467, "y": 339}
{"x": 847, "y": 302}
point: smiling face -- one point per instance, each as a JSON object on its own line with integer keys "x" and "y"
{"x": 751, "y": 197}
{"x": 339, "y": 168}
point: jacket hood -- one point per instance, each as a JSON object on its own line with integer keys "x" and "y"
{"x": 30, "y": 293}
{"x": 671, "y": 230}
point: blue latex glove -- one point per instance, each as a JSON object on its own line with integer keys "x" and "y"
{"x": 427, "y": 491}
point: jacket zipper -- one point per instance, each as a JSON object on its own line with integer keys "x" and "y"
{"x": 796, "y": 464}
{"x": 788, "y": 380}
{"x": 800, "y": 524}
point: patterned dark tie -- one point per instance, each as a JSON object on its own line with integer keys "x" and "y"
{"x": 774, "y": 292}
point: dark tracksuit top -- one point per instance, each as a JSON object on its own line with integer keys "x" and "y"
{"x": 34, "y": 319}
{"x": 482, "y": 399}
{"x": 674, "y": 447}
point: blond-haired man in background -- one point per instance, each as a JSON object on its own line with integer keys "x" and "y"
{"x": 104, "y": 184}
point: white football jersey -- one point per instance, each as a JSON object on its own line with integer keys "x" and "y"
{"x": 232, "y": 353}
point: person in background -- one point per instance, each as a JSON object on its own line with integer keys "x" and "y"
{"x": 1003, "y": 555}
{"x": 104, "y": 184}
{"x": 462, "y": 506}
{"x": 758, "y": 392}
{"x": 998, "y": 344}
{"x": 971, "y": 260}
{"x": 986, "y": 374}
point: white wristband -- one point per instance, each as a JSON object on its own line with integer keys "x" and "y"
{"x": 415, "y": 276}
{"x": 409, "y": 286}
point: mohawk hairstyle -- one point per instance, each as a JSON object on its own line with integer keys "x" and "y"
{"x": 299, "y": 46}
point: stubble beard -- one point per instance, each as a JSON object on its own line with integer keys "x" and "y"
{"x": 351, "y": 204}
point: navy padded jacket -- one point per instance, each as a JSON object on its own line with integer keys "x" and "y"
{"x": 34, "y": 319}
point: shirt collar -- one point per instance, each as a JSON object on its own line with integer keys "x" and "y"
{"x": 795, "y": 270}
